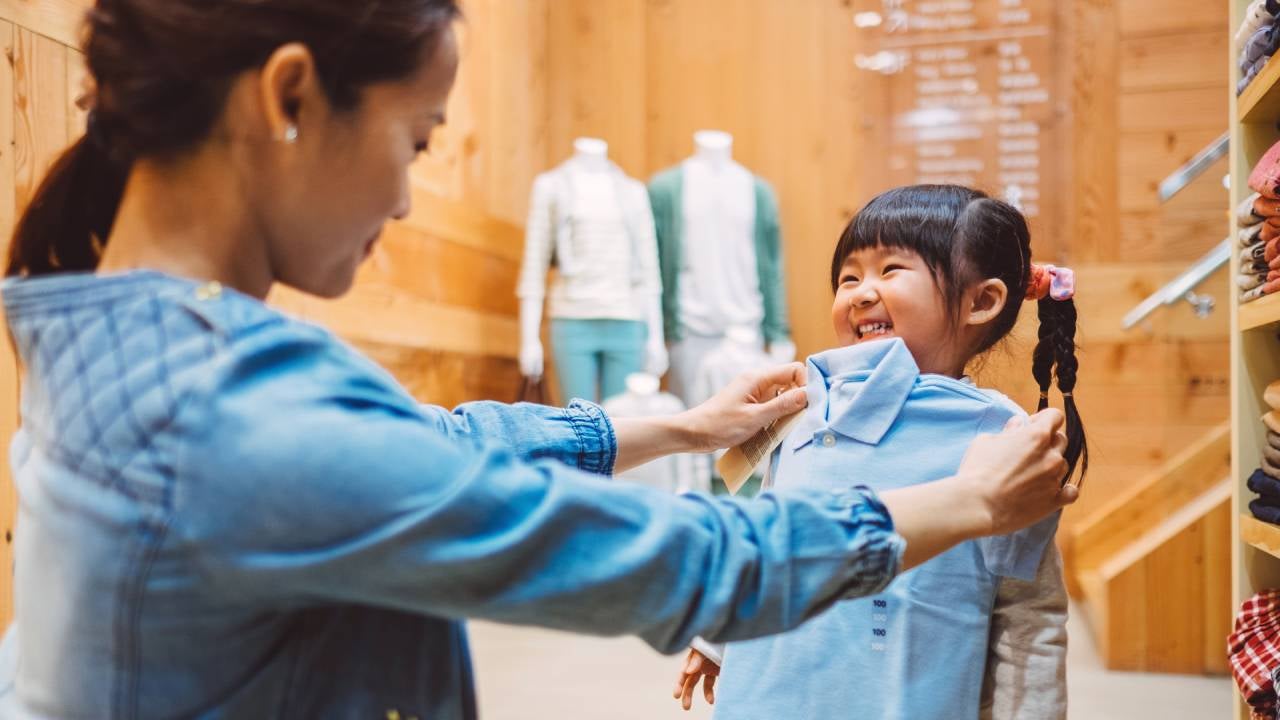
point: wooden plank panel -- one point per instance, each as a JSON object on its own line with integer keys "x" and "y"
{"x": 448, "y": 379}
{"x": 1147, "y": 158}
{"x": 596, "y": 56}
{"x": 1192, "y": 59}
{"x": 463, "y": 224}
{"x": 1167, "y": 233}
{"x": 40, "y": 100}
{"x": 9, "y": 378}
{"x": 1174, "y": 643}
{"x": 1140, "y": 17}
{"x": 515, "y": 118}
{"x": 443, "y": 272}
{"x": 1217, "y": 613}
{"x": 1164, "y": 110}
{"x": 8, "y": 163}
{"x": 60, "y": 20}
{"x": 384, "y": 315}
{"x": 77, "y": 79}
{"x": 1092, "y": 222}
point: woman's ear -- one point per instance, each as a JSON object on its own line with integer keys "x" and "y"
{"x": 288, "y": 87}
{"x": 985, "y": 301}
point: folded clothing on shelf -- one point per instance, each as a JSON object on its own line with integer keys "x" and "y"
{"x": 1265, "y": 177}
{"x": 1271, "y": 395}
{"x": 1258, "y": 14}
{"x": 1257, "y": 52}
{"x": 1253, "y": 650}
{"x": 1254, "y": 275}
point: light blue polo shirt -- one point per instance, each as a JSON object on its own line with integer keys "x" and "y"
{"x": 919, "y": 649}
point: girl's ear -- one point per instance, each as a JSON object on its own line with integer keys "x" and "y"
{"x": 985, "y": 301}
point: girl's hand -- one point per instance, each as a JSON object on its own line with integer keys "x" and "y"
{"x": 696, "y": 667}
{"x": 749, "y": 404}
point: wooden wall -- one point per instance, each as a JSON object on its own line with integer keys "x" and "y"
{"x": 1140, "y": 91}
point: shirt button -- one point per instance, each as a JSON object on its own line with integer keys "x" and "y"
{"x": 828, "y": 440}
{"x": 209, "y": 291}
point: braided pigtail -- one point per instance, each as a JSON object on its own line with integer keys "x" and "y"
{"x": 1055, "y": 356}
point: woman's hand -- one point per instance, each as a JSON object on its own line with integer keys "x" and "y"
{"x": 696, "y": 667}
{"x": 1006, "y": 482}
{"x": 749, "y": 404}
{"x": 1018, "y": 474}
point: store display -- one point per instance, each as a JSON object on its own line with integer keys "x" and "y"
{"x": 594, "y": 225}
{"x": 643, "y": 398}
{"x": 1258, "y": 39}
{"x": 720, "y": 250}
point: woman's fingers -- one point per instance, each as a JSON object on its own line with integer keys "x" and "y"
{"x": 786, "y": 403}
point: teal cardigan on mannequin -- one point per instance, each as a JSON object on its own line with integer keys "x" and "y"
{"x": 666, "y": 194}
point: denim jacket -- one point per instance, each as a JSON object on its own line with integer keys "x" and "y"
{"x": 227, "y": 513}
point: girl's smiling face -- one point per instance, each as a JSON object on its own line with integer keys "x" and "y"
{"x": 887, "y": 292}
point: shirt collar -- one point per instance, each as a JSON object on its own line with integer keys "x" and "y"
{"x": 888, "y": 373}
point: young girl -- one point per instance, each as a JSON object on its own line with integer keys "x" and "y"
{"x": 926, "y": 278}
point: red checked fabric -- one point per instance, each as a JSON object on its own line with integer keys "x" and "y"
{"x": 1254, "y": 651}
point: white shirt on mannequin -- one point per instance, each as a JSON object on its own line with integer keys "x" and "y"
{"x": 719, "y": 280}
{"x": 598, "y": 225}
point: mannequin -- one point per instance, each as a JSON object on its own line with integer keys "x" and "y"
{"x": 719, "y": 248}
{"x": 595, "y": 225}
{"x": 675, "y": 473}
{"x": 739, "y": 351}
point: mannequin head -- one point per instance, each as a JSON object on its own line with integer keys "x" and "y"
{"x": 715, "y": 146}
{"x": 643, "y": 384}
{"x": 592, "y": 152}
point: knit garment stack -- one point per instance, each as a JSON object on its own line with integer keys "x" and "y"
{"x": 1265, "y": 481}
{"x": 1257, "y": 39}
{"x": 1258, "y": 270}
{"x": 1253, "y": 650}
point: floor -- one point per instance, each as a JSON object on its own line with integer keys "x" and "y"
{"x": 526, "y": 674}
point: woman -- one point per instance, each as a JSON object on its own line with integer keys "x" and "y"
{"x": 228, "y": 513}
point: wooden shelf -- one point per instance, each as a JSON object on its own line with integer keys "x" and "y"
{"x": 1261, "y": 535}
{"x": 1260, "y": 102}
{"x": 1261, "y": 312}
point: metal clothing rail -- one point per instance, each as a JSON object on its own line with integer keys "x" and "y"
{"x": 1195, "y": 167}
{"x": 1183, "y": 287}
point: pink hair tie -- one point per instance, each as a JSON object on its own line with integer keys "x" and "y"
{"x": 1051, "y": 281}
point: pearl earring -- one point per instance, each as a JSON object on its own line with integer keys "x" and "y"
{"x": 291, "y": 134}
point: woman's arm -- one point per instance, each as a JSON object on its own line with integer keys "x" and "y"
{"x": 304, "y": 479}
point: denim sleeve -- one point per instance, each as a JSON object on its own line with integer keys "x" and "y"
{"x": 580, "y": 435}
{"x": 306, "y": 479}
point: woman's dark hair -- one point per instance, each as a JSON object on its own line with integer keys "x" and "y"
{"x": 964, "y": 237}
{"x": 163, "y": 70}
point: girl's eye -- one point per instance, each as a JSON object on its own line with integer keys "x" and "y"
{"x": 420, "y": 148}
{"x": 848, "y": 279}
{"x": 890, "y": 268}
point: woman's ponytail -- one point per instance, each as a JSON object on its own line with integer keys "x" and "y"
{"x": 69, "y": 219}
{"x": 1055, "y": 355}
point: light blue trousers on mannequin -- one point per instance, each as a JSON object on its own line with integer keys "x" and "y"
{"x": 594, "y": 357}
